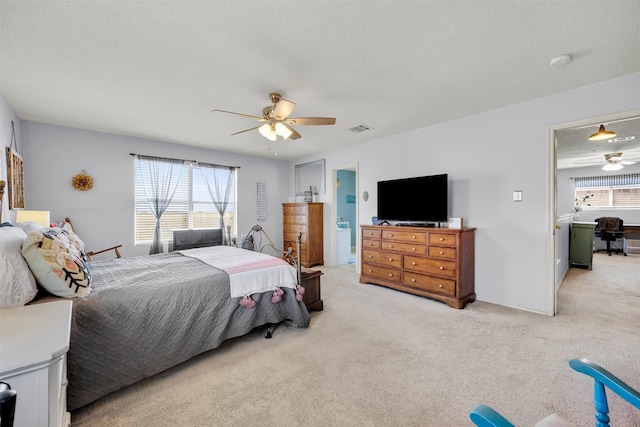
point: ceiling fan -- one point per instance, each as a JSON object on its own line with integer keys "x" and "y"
{"x": 614, "y": 162}
{"x": 277, "y": 121}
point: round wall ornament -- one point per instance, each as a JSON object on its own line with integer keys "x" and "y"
{"x": 82, "y": 181}
{"x": 365, "y": 196}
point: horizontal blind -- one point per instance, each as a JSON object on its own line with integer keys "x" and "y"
{"x": 607, "y": 180}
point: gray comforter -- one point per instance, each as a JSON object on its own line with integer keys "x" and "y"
{"x": 147, "y": 314}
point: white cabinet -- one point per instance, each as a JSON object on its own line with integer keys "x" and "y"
{"x": 34, "y": 343}
{"x": 344, "y": 245}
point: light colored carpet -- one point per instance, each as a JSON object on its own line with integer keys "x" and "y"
{"x": 379, "y": 357}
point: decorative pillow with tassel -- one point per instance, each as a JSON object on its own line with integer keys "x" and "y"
{"x": 58, "y": 261}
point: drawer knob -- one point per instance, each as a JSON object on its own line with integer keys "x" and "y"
{"x": 413, "y": 263}
{"x": 370, "y": 271}
{"x": 441, "y": 239}
{"x": 413, "y": 237}
{"x": 390, "y": 274}
{"x": 440, "y": 286}
{"x": 413, "y": 280}
{"x": 390, "y": 259}
{"x": 441, "y": 252}
{"x": 413, "y": 249}
{"x": 370, "y": 256}
{"x": 441, "y": 268}
{"x": 390, "y": 246}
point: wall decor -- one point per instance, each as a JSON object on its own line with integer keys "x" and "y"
{"x": 15, "y": 172}
{"x": 2, "y": 184}
{"x": 365, "y": 196}
{"x": 310, "y": 174}
{"x": 82, "y": 181}
{"x": 262, "y": 201}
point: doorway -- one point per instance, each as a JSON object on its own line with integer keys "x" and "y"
{"x": 570, "y": 153}
{"x": 345, "y": 216}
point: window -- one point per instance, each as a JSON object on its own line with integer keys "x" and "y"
{"x": 192, "y": 205}
{"x": 613, "y": 191}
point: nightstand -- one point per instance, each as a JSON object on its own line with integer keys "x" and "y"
{"x": 310, "y": 281}
{"x": 35, "y": 341}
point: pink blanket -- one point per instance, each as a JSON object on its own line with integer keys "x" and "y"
{"x": 249, "y": 272}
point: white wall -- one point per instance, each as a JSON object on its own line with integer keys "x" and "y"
{"x": 566, "y": 194}
{"x": 104, "y": 215}
{"x": 487, "y": 157}
{"x": 6, "y": 116}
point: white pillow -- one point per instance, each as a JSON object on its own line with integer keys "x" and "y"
{"x": 57, "y": 260}
{"x": 17, "y": 284}
{"x": 29, "y": 226}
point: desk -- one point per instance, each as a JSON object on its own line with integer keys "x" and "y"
{"x": 632, "y": 238}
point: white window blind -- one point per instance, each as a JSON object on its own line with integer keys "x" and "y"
{"x": 607, "y": 191}
{"x": 191, "y": 206}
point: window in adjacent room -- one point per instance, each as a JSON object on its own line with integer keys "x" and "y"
{"x": 197, "y": 188}
{"x": 611, "y": 191}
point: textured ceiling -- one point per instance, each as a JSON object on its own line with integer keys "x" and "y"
{"x": 157, "y": 69}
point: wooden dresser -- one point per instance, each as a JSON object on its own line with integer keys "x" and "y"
{"x": 305, "y": 218}
{"x": 432, "y": 262}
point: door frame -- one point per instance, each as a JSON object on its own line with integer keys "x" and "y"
{"x": 334, "y": 211}
{"x": 551, "y": 299}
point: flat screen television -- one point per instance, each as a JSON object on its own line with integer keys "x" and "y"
{"x": 418, "y": 199}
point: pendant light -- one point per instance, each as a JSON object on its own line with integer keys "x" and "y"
{"x": 602, "y": 134}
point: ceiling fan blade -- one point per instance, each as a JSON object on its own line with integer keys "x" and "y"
{"x": 311, "y": 121}
{"x": 283, "y": 109}
{"x": 294, "y": 133}
{"x": 246, "y": 130}
{"x": 261, "y": 119}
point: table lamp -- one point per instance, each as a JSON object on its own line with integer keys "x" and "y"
{"x": 40, "y": 217}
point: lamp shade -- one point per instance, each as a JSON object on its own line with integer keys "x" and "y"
{"x": 39, "y": 217}
{"x": 602, "y": 134}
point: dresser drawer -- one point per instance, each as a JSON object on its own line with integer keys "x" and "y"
{"x": 292, "y": 244}
{"x": 404, "y": 236}
{"x": 386, "y": 273}
{"x": 300, "y": 210}
{"x": 385, "y": 258}
{"x": 407, "y": 248}
{"x": 442, "y": 252}
{"x": 300, "y": 219}
{"x": 370, "y": 244}
{"x": 442, "y": 239}
{"x": 293, "y": 237}
{"x": 370, "y": 234}
{"x": 430, "y": 283}
{"x": 430, "y": 266}
{"x": 288, "y": 210}
{"x": 290, "y": 227}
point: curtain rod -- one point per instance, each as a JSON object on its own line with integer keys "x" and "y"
{"x": 193, "y": 161}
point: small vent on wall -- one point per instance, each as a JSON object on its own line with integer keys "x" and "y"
{"x": 360, "y": 128}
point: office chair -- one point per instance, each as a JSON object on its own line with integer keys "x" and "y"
{"x": 609, "y": 229}
{"x": 7, "y": 405}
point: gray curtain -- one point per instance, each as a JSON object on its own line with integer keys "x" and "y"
{"x": 219, "y": 181}
{"x": 160, "y": 178}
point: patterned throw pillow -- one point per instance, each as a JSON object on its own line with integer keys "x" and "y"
{"x": 58, "y": 261}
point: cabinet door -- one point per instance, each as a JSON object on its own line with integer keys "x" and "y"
{"x": 581, "y": 247}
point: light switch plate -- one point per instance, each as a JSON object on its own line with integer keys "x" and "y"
{"x": 517, "y": 196}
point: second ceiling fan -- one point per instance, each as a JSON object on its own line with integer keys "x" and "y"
{"x": 277, "y": 121}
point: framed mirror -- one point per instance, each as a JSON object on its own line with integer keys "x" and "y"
{"x": 308, "y": 175}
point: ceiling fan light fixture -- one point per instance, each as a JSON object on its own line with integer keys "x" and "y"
{"x": 612, "y": 167}
{"x": 268, "y": 132}
{"x": 283, "y": 131}
{"x": 602, "y": 134}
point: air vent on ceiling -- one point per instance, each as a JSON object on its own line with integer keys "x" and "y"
{"x": 622, "y": 139}
{"x": 360, "y": 128}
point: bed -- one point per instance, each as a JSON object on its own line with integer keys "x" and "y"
{"x": 142, "y": 315}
